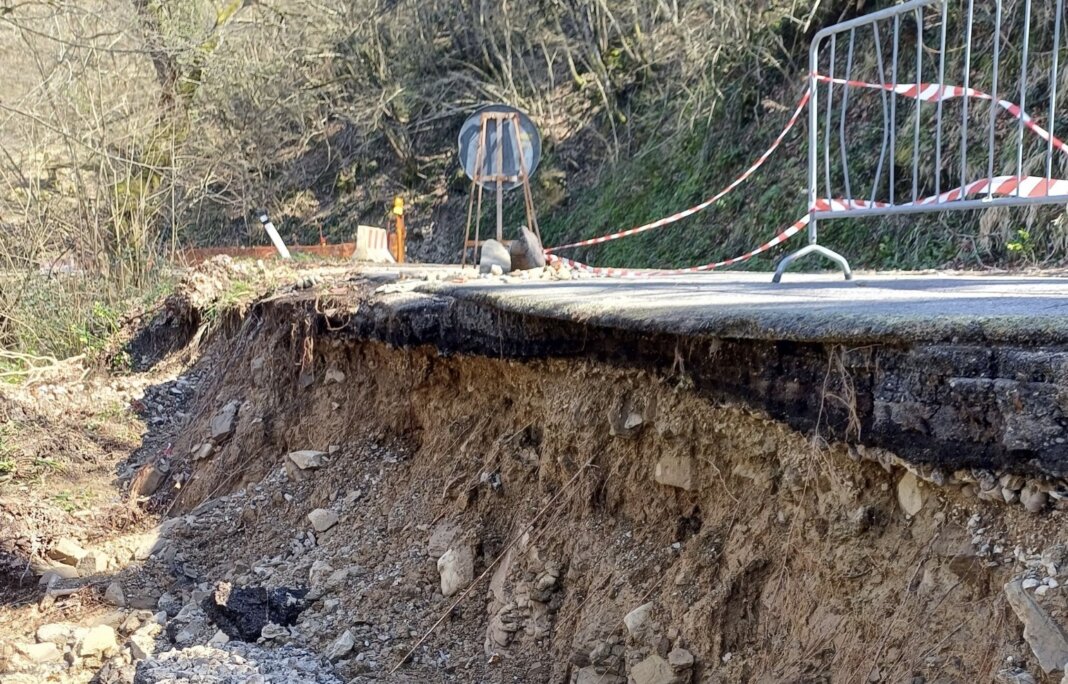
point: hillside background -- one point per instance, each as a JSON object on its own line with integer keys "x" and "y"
{"x": 129, "y": 129}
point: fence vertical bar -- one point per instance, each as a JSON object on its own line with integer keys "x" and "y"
{"x": 827, "y": 125}
{"x": 886, "y": 107}
{"x": 994, "y": 100}
{"x": 941, "y": 92}
{"x": 893, "y": 108}
{"x": 966, "y": 99}
{"x": 842, "y": 121}
{"x": 1051, "y": 123}
{"x": 1023, "y": 96}
{"x": 916, "y": 126}
{"x": 813, "y": 135}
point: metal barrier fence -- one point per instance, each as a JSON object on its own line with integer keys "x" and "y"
{"x": 955, "y": 130}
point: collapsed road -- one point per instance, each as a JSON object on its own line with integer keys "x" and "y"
{"x": 548, "y": 478}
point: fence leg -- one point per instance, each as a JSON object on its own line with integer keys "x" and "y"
{"x": 813, "y": 249}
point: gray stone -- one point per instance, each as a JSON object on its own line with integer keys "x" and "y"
{"x": 675, "y": 471}
{"x": 114, "y": 595}
{"x": 1033, "y": 499}
{"x": 56, "y": 573}
{"x": 680, "y": 659}
{"x": 655, "y": 670}
{"x": 222, "y": 424}
{"x": 341, "y": 647}
{"x": 910, "y": 494}
{"x": 593, "y": 675}
{"x": 92, "y": 563}
{"x": 526, "y": 251}
{"x": 322, "y": 519}
{"x": 457, "y": 569}
{"x": 1045, "y": 637}
{"x": 638, "y": 620}
{"x": 494, "y": 254}
{"x": 307, "y": 459}
{"x": 441, "y": 538}
{"x": 203, "y": 451}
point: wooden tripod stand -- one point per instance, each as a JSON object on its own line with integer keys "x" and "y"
{"x": 499, "y": 178}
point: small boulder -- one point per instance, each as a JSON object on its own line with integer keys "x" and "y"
{"x": 655, "y": 670}
{"x": 222, "y": 423}
{"x": 457, "y": 570}
{"x": 322, "y": 519}
{"x": 1033, "y": 499}
{"x": 67, "y": 551}
{"x": 55, "y": 633}
{"x": 675, "y": 471}
{"x": 98, "y": 641}
{"x": 1046, "y": 638}
{"x": 341, "y": 647}
{"x": 56, "y": 573}
{"x": 203, "y": 451}
{"x": 92, "y": 563}
{"x": 307, "y": 459}
{"x": 526, "y": 252}
{"x": 114, "y": 595}
{"x": 45, "y": 652}
{"x": 909, "y": 494}
{"x": 494, "y": 254}
{"x": 148, "y": 479}
{"x": 638, "y": 620}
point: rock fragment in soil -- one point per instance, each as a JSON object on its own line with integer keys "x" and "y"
{"x": 66, "y": 551}
{"x": 243, "y": 612}
{"x": 457, "y": 570}
{"x": 1045, "y": 637}
{"x": 222, "y": 423}
{"x": 909, "y": 494}
{"x": 322, "y": 519}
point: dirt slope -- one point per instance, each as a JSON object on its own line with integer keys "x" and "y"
{"x": 589, "y": 523}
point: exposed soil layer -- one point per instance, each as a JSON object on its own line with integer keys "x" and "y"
{"x": 483, "y": 497}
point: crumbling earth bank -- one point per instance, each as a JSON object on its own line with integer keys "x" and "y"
{"x": 621, "y": 527}
{"x": 359, "y": 512}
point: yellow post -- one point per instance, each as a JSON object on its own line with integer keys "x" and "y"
{"x": 398, "y": 243}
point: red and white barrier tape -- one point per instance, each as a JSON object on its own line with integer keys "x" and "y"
{"x": 931, "y": 92}
{"x": 1027, "y": 186}
{"x": 703, "y": 205}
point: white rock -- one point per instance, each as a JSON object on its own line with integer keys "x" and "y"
{"x": 220, "y": 637}
{"x": 55, "y": 632}
{"x": 335, "y": 375}
{"x": 307, "y": 459}
{"x": 909, "y": 494}
{"x": 97, "y": 641}
{"x": 1029, "y": 583}
{"x": 45, "y": 652}
{"x": 322, "y": 519}
{"x": 457, "y": 570}
{"x": 66, "y": 551}
{"x": 1033, "y": 499}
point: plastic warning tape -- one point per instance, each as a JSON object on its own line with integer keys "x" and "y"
{"x": 703, "y": 205}
{"x": 932, "y": 92}
{"x": 1022, "y": 186}
{"x": 1027, "y": 186}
